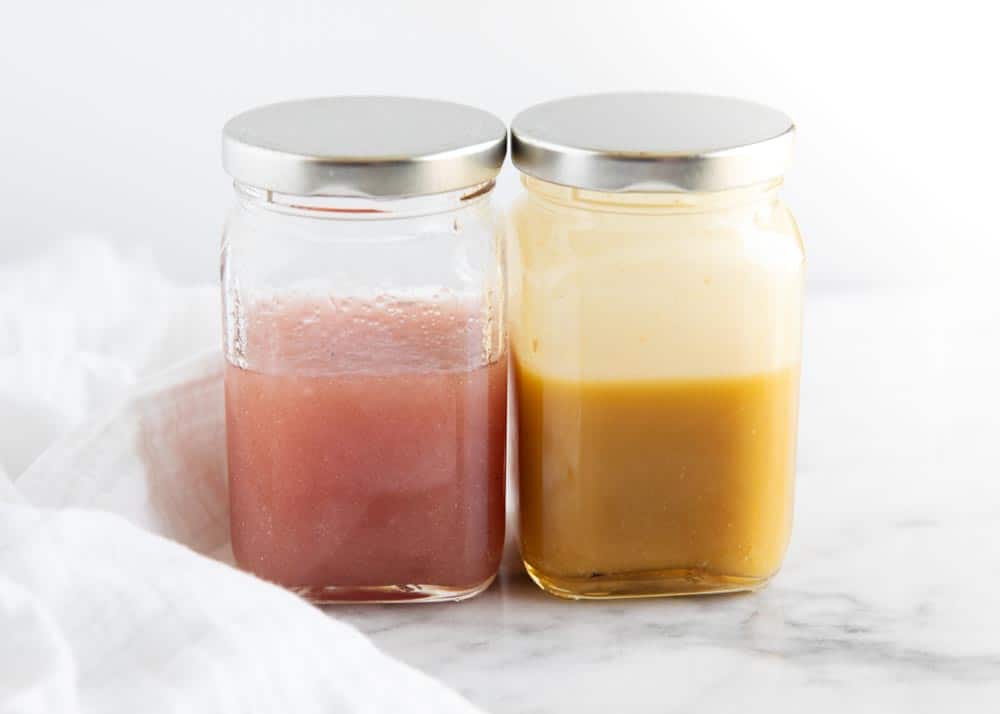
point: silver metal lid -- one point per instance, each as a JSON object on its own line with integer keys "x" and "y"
{"x": 652, "y": 142}
{"x": 364, "y": 146}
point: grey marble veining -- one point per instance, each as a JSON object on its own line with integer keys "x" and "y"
{"x": 888, "y": 600}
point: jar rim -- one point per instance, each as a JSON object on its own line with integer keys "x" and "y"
{"x": 361, "y": 208}
{"x": 650, "y": 202}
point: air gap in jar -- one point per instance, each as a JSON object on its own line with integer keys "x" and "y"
{"x": 655, "y": 314}
{"x": 366, "y": 365}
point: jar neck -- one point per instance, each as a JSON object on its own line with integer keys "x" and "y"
{"x": 659, "y": 202}
{"x": 359, "y": 208}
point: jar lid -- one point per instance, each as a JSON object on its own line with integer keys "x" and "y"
{"x": 658, "y": 141}
{"x": 364, "y": 146}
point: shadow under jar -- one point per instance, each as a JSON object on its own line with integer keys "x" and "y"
{"x": 366, "y": 376}
{"x": 655, "y": 320}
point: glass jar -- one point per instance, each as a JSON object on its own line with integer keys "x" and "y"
{"x": 366, "y": 354}
{"x": 655, "y": 319}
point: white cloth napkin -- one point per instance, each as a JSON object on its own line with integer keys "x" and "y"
{"x": 106, "y": 603}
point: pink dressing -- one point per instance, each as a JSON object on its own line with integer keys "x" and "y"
{"x": 366, "y": 447}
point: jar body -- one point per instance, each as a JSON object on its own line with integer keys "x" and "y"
{"x": 655, "y": 341}
{"x": 366, "y": 393}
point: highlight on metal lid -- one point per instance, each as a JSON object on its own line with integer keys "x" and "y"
{"x": 652, "y": 141}
{"x": 364, "y": 146}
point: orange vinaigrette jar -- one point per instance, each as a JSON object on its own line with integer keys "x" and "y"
{"x": 655, "y": 290}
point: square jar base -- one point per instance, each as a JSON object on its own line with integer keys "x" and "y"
{"x": 348, "y": 595}
{"x": 654, "y": 583}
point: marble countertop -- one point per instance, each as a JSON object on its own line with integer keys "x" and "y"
{"x": 888, "y": 597}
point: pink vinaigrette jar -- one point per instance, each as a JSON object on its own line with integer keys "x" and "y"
{"x": 366, "y": 362}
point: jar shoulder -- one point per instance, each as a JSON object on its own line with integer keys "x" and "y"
{"x": 559, "y": 230}
{"x": 455, "y": 249}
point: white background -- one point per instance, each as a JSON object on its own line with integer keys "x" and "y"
{"x": 111, "y": 111}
